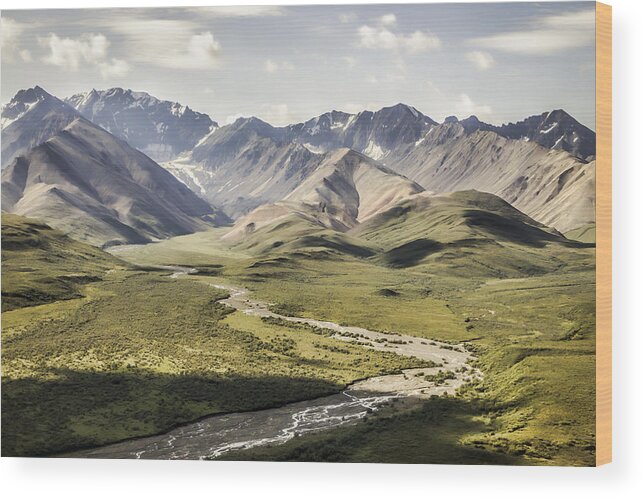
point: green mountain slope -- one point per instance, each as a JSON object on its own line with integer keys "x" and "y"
{"x": 297, "y": 234}
{"x": 41, "y": 265}
{"x": 585, "y": 233}
{"x": 463, "y": 233}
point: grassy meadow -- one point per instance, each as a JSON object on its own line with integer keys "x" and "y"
{"x": 534, "y": 336}
{"x": 139, "y": 353}
{"x": 135, "y": 353}
{"x": 41, "y": 265}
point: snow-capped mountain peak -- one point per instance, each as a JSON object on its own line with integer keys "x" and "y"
{"x": 379, "y": 134}
{"x": 161, "y": 129}
{"x": 23, "y": 102}
{"x": 29, "y": 119}
{"x": 555, "y": 130}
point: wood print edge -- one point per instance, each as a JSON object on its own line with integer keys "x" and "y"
{"x": 603, "y": 233}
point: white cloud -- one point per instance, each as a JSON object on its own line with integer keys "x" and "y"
{"x": 382, "y": 38}
{"x": 546, "y": 36}
{"x": 114, "y": 68}
{"x": 11, "y": 29}
{"x": 138, "y": 29}
{"x": 465, "y": 107}
{"x": 10, "y": 32}
{"x": 169, "y": 43}
{"x": 203, "y": 51}
{"x": 421, "y": 42}
{"x": 25, "y": 55}
{"x": 582, "y": 20}
{"x": 377, "y": 38}
{"x": 388, "y": 20}
{"x": 69, "y": 53}
{"x": 88, "y": 49}
{"x": 440, "y": 104}
{"x": 271, "y": 66}
{"x": 395, "y": 77}
{"x": 482, "y": 60}
{"x": 434, "y": 91}
{"x": 391, "y": 77}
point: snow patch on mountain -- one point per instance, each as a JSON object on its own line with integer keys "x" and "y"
{"x": 549, "y": 128}
{"x": 314, "y": 149}
{"x": 26, "y": 107}
{"x": 374, "y": 151}
{"x": 190, "y": 174}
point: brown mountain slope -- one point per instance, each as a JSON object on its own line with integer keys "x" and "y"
{"x": 551, "y": 186}
{"x": 97, "y": 188}
{"x": 32, "y": 117}
{"x": 344, "y": 190}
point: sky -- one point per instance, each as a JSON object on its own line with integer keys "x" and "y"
{"x": 499, "y": 61}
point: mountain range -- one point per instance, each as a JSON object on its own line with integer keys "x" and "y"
{"x": 248, "y": 163}
{"x": 160, "y": 129}
{"x": 80, "y": 178}
{"x": 345, "y": 190}
{"x": 86, "y": 165}
{"x": 550, "y": 185}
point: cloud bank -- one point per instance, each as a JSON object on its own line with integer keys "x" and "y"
{"x": 546, "y": 36}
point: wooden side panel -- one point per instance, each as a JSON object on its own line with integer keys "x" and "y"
{"x": 603, "y": 233}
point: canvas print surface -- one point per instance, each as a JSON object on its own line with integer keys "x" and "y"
{"x": 317, "y": 233}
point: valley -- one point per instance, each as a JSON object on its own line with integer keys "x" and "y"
{"x": 445, "y": 370}
{"x": 532, "y": 337}
{"x": 359, "y": 287}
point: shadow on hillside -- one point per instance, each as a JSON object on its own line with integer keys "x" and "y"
{"x": 339, "y": 245}
{"x": 77, "y": 409}
{"x": 411, "y": 253}
{"x": 429, "y": 435}
{"x": 504, "y": 228}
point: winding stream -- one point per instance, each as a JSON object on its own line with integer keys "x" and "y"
{"x": 213, "y": 436}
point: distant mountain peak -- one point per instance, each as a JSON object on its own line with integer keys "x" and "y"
{"x": 31, "y": 117}
{"x": 472, "y": 123}
{"x": 404, "y": 107}
{"x": 253, "y": 125}
{"x": 159, "y": 128}
{"x": 29, "y": 95}
{"x": 250, "y": 121}
{"x": 555, "y": 129}
{"x": 472, "y": 119}
{"x": 114, "y": 93}
{"x": 36, "y": 90}
{"x": 556, "y": 113}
